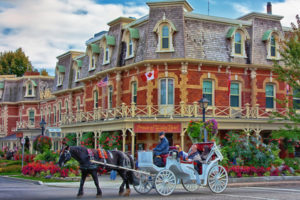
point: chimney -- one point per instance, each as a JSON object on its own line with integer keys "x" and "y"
{"x": 269, "y": 8}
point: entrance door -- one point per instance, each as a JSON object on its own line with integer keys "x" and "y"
{"x": 169, "y": 136}
{"x": 166, "y": 96}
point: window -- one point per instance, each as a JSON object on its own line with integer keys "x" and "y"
{"x": 166, "y": 91}
{"x": 78, "y": 104}
{"x": 54, "y": 114}
{"x": 110, "y": 96}
{"x": 67, "y": 107}
{"x": 134, "y": 92}
{"x": 296, "y": 99}
{"x": 59, "y": 111}
{"x": 29, "y": 89}
{"x": 270, "y": 96}
{"x": 106, "y": 56}
{"x": 95, "y": 99}
{"x": 235, "y": 95}
{"x": 130, "y": 48}
{"x": 272, "y": 46}
{"x": 238, "y": 43}
{"x": 165, "y": 37}
{"x": 59, "y": 78}
{"x": 42, "y": 114}
{"x": 77, "y": 75}
{"x": 31, "y": 116}
{"x": 49, "y": 116}
{"x": 208, "y": 91}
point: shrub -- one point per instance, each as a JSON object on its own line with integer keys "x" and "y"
{"x": 11, "y": 168}
{"x": 87, "y": 140}
{"x": 47, "y": 156}
{"x": 70, "y": 139}
{"x": 110, "y": 140}
{"x": 42, "y": 143}
{"x": 293, "y": 162}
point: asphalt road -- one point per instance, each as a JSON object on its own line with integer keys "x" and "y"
{"x": 15, "y": 190}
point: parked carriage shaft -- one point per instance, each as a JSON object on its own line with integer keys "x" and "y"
{"x": 119, "y": 167}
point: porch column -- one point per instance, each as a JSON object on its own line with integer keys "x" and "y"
{"x": 78, "y": 135}
{"x": 96, "y": 136}
{"x": 31, "y": 146}
{"x": 124, "y": 139}
{"x": 182, "y": 134}
{"x": 257, "y": 133}
{"x": 132, "y": 142}
{"x": 253, "y": 87}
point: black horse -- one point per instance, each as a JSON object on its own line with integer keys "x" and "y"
{"x": 83, "y": 156}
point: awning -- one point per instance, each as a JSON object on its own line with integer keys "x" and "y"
{"x": 134, "y": 33}
{"x": 230, "y": 32}
{"x": 33, "y": 83}
{"x": 1, "y": 85}
{"x": 61, "y": 68}
{"x": 95, "y": 48}
{"x": 79, "y": 63}
{"x": 267, "y": 35}
{"x": 110, "y": 40}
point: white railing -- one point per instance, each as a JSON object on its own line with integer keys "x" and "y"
{"x": 176, "y": 111}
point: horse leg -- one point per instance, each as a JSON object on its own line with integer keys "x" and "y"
{"x": 84, "y": 174}
{"x": 95, "y": 178}
{"x": 121, "y": 189}
{"x": 123, "y": 174}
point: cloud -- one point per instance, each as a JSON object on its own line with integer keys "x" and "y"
{"x": 47, "y": 28}
{"x": 242, "y": 9}
{"x": 289, "y": 9}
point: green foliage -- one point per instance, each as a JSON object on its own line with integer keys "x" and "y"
{"x": 293, "y": 162}
{"x": 110, "y": 140}
{"x": 14, "y": 63}
{"x": 42, "y": 143}
{"x": 87, "y": 140}
{"x": 72, "y": 164}
{"x": 47, "y": 156}
{"x": 1, "y": 154}
{"x": 70, "y": 139}
{"x": 196, "y": 130}
{"x": 289, "y": 73}
{"x": 247, "y": 150}
{"x": 44, "y": 72}
{"x": 11, "y": 168}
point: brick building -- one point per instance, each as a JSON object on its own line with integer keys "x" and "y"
{"x": 191, "y": 55}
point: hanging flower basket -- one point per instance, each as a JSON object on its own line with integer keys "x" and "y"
{"x": 42, "y": 143}
{"x": 196, "y": 130}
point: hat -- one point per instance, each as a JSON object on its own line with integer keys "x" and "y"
{"x": 161, "y": 133}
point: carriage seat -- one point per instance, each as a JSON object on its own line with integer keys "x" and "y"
{"x": 204, "y": 148}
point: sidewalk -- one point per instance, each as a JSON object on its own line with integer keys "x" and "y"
{"x": 105, "y": 182}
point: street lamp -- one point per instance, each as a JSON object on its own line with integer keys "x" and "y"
{"x": 203, "y": 104}
{"x": 42, "y": 124}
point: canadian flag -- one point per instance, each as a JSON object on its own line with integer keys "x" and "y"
{"x": 148, "y": 76}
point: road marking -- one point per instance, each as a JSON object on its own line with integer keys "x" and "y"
{"x": 250, "y": 197}
{"x": 274, "y": 189}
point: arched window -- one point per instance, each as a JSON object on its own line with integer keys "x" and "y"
{"x": 95, "y": 99}
{"x": 272, "y": 46}
{"x": 238, "y": 43}
{"x": 134, "y": 91}
{"x": 270, "y": 96}
{"x": 130, "y": 48}
{"x": 165, "y": 37}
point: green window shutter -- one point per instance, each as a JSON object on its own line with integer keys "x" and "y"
{"x": 266, "y": 35}
{"x": 79, "y": 63}
{"x": 1, "y": 85}
{"x": 230, "y": 32}
{"x": 95, "y": 48}
{"x": 61, "y": 69}
{"x": 134, "y": 33}
{"x": 110, "y": 40}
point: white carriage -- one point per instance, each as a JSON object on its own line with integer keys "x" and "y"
{"x": 165, "y": 179}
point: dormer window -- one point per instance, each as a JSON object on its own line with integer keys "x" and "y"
{"x": 272, "y": 38}
{"x": 107, "y": 43}
{"x": 164, "y": 30}
{"x": 238, "y": 37}
{"x": 60, "y": 71}
{"x": 130, "y": 37}
{"x": 94, "y": 53}
{"x": 76, "y": 66}
{"x": 30, "y": 91}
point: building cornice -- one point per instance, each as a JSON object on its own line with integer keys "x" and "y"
{"x": 261, "y": 16}
{"x": 19, "y": 102}
{"x": 26, "y": 77}
{"x": 175, "y": 61}
{"x": 164, "y": 3}
{"x": 68, "y": 90}
{"x": 73, "y": 53}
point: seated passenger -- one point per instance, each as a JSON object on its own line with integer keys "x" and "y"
{"x": 181, "y": 154}
{"x": 163, "y": 146}
{"x": 194, "y": 155}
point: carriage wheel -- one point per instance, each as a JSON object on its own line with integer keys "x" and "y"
{"x": 165, "y": 182}
{"x": 217, "y": 179}
{"x": 190, "y": 186}
{"x": 145, "y": 184}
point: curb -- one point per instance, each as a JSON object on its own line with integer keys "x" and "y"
{"x": 263, "y": 179}
{"x": 25, "y": 180}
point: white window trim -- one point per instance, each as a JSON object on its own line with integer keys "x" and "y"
{"x": 95, "y": 100}
{"x": 27, "y": 89}
{"x": 77, "y": 72}
{"x": 108, "y": 97}
{"x": 92, "y": 67}
{"x": 243, "y": 43}
{"x": 213, "y": 91}
{"x": 240, "y": 95}
{"x": 106, "y": 62}
{"x": 132, "y": 90}
{"x": 60, "y": 79}
{"x": 159, "y": 91}
{"x": 274, "y": 97}
{"x": 268, "y": 45}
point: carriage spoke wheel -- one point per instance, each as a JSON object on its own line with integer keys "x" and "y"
{"x": 217, "y": 179}
{"x": 165, "y": 182}
{"x": 145, "y": 184}
{"x": 190, "y": 186}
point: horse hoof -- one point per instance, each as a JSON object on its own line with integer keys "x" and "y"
{"x": 79, "y": 196}
{"x": 120, "y": 193}
{"x": 98, "y": 195}
{"x": 127, "y": 193}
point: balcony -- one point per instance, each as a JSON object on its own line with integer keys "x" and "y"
{"x": 27, "y": 125}
{"x": 183, "y": 110}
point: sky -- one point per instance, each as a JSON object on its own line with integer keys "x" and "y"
{"x": 45, "y": 29}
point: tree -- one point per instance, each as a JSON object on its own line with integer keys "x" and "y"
{"x": 14, "y": 63}
{"x": 289, "y": 73}
{"x": 44, "y": 72}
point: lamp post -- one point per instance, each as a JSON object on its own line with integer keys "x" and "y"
{"x": 203, "y": 104}
{"x": 42, "y": 124}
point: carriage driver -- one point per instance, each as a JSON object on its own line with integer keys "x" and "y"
{"x": 163, "y": 146}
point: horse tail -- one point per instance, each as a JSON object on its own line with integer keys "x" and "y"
{"x": 130, "y": 174}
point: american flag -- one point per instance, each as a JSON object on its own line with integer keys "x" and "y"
{"x": 103, "y": 82}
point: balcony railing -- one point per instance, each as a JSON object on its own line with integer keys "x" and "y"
{"x": 176, "y": 111}
{"x": 27, "y": 124}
